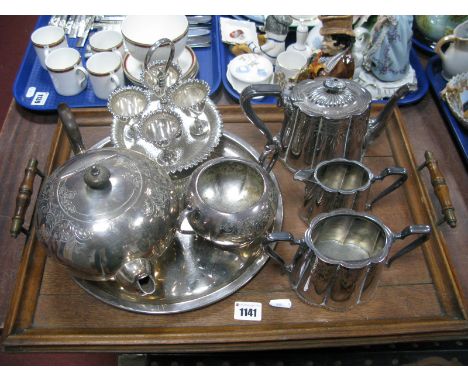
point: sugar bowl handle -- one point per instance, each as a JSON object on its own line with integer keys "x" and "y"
{"x": 23, "y": 198}
{"x": 275, "y": 237}
{"x": 419, "y": 229}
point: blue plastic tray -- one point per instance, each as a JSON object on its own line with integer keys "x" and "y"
{"x": 423, "y": 46}
{"x": 32, "y": 80}
{"x": 434, "y": 68}
{"x": 412, "y": 97}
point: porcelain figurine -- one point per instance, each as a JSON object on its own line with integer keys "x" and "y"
{"x": 361, "y": 45}
{"x": 337, "y": 32}
{"x": 388, "y": 55}
{"x": 276, "y": 29}
{"x": 300, "y": 45}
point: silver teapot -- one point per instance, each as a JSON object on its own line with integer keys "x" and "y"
{"x": 107, "y": 213}
{"x": 324, "y": 119}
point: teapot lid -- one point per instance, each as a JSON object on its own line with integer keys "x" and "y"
{"x": 104, "y": 185}
{"x": 331, "y": 97}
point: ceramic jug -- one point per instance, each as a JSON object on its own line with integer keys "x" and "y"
{"x": 455, "y": 58}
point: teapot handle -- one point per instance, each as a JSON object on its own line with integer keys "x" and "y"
{"x": 273, "y": 145}
{"x": 71, "y": 128}
{"x": 443, "y": 41}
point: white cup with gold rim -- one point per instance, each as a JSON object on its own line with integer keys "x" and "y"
{"x": 105, "y": 73}
{"x": 47, "y": 39}
{"x": 107, "y": 41}
{"x": 66, "y": 71}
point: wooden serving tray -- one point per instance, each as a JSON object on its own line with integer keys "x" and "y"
{"x": 418, "y": 297}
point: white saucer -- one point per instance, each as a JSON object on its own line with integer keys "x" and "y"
{"x": 187, "y": 62}
{"x": 250, "y": 68}
{"x": 238, "y": 86}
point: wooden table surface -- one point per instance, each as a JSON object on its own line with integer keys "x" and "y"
{"x": 26, "y": 134}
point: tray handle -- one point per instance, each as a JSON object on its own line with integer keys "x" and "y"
{"x": 440, "y": 188}
{"x": 23, "y": 198}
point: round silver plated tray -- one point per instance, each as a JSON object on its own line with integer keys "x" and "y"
{"x": 194, "y": 273}
{"x": 190, "y": 150}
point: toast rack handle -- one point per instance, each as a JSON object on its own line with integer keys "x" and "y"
{"x": 441, "y": 189}
{"x": 23, "y": 199}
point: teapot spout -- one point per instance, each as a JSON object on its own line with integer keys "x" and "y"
{"x": 137, "y": 275}
{"x": 378, "y": 124}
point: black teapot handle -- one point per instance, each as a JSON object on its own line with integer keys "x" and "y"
{"x": 273, "y": 146}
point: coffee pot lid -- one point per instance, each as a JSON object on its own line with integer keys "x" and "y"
{"x": 331, "y": 97}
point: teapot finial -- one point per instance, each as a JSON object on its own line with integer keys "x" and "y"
{"x": 334, "y": 85}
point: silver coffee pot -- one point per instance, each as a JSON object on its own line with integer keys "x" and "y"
{"x": 324, "y": 119}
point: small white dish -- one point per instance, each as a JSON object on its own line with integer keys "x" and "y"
{"x": 238, "y": 86}
{"x": 187, "y": 62}
{"x": 251, "y": 68}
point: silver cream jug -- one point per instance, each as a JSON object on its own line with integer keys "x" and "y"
{"x": 324, "y": 119}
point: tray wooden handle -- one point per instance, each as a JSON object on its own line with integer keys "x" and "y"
{"x": 23, "y": 198}
{"x": 440, "y": 188}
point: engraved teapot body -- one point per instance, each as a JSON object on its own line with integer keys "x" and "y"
{"x": 323, "y": 119}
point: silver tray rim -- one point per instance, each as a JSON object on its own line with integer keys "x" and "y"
{"x": 137, "y": 307}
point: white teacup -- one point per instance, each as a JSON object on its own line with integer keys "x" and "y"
{"x": 105, "y": 73}
{"x": 66, "y": 71}
{"x": 290, "y": 64}
{"x": 107, "y": 41}
{"x": 46, "y": 39}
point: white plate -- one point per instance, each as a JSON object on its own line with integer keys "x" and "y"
{"x": 250, "y": 68}
{"x": 238, "y": 86}
{"x": 187, "y": 62}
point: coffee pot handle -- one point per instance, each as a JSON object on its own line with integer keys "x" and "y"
{"x": 275, "y": 237}
{"x": 273, "y": 145}
{"x": 402, "y": 177}
{"x": 419, "y": 229}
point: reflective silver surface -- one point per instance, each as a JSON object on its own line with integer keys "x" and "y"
{"x": 190, "y": 150}
{"x": 342, "y": 183}
{"x": 161, "y": 129}
{"x": 96, "y": 231}
{"x": 344, "y": 251}
{"x": 325, "y": 118}
{"x": 190, "y": 97}
{"x": 150, "y": 78}
{"x": 194, "y": 272}
{"x": 231, "y": 201}
{"x": 128, "y": 102}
